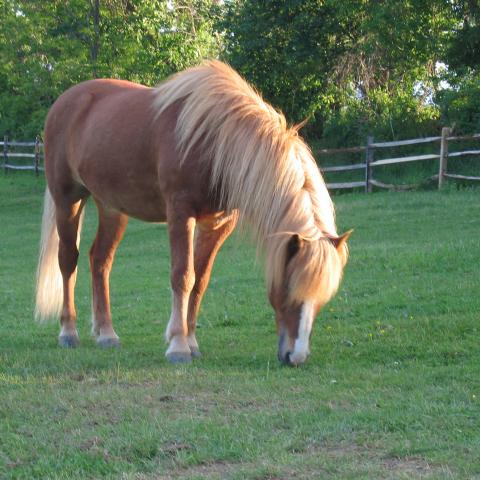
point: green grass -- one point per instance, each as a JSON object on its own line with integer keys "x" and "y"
{"x": 391, "y": 390}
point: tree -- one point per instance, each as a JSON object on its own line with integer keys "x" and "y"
{"x": 48, "y": 46}
{"x": 460, "y": 101}
{"x": 463, "y": 53}
{"x": 287, "y": 49}
{"x": 368, "y": 66}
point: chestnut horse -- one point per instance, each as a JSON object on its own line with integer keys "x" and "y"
{"x": 201, "y": 152}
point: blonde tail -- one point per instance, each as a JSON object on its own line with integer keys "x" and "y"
{"x": 49, "y": 278}
{"x": 49, "y": 296}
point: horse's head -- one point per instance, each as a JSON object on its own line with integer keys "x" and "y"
{"x": 308, "y": 277}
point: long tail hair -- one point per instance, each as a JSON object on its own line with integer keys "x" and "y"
{"x": 49, "y": 291}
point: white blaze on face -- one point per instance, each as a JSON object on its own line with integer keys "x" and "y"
{"x": 301, "y": 349}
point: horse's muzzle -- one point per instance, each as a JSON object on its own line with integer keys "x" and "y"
{"x": 284, "y": 359}
{"x": 285, "y": 348}
{"x": 286, "y": 351}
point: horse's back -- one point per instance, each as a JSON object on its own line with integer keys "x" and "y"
{"x": 79, "y": 99}
{"x": 89, "y": 104}
{"x": 98, "y": 136}
{"x": 107, "y": 138}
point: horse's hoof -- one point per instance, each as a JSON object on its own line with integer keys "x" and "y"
{"x": 68, "y": 341}
{"x": 195, "y": 352}
{"x": 108, "y": 342}
{"x": 179, "y": 357}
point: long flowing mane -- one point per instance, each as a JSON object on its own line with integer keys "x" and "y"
{"x": 259, "y": 166}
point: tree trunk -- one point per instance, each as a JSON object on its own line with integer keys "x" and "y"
{"x": 95, "y": 46}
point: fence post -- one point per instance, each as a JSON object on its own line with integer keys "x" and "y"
{"x": 446, "y": 131}
{"x": 368, "y": 168}
{"x": 37, "y": 154}
{"x": 5, "y": 153}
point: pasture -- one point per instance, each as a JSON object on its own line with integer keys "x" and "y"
{"x": 391, "y": 390}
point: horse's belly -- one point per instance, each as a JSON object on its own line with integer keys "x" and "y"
{"x": 148, "y": 208}
{"x": 137, "y": 198}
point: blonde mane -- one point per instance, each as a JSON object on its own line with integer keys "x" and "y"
{"x": 261, "y": 168}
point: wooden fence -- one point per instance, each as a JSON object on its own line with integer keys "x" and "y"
{"x": 369, "y": 154}
{"x": 34, "y": 157}
{"x": 367, "y": 166}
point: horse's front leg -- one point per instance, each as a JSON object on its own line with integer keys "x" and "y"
{"x": 211, "y": 233}
{"x": 181, "y": 227}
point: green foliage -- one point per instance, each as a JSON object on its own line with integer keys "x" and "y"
{"x": 48, "y": 46}
{"x": 154, "y": 39}
{"x": 463, "y": 53}
{"x": 354, "y": 68}
{"x": 383, "y": 114}
{"x": 286, "y": 49}
{"x": 461, "y": 105}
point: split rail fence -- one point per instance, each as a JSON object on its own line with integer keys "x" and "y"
{"x": 367, "y": 166}
{"x": 370, "y": 163}
{"x": 34, "y": 158}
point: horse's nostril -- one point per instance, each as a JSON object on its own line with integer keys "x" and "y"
{"x": 287, "y": 358}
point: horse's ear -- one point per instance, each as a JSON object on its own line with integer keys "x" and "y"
{"x": 340, "y": 243}
{"x": 293, "y": 246}
{"x": 300, "y": 125}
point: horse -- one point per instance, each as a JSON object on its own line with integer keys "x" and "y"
{"x": 204, "y": 153}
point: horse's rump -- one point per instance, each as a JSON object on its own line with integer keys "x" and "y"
{"x": 101, "y": 135}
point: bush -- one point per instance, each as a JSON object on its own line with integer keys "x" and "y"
{"x": 460, "y": 105}
{"x": 383, "y": 114}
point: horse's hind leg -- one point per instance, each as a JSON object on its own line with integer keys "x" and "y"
{"x": 111, "y": 227}
{"x": 211, "y": 234}
{"x": 68, "y": 221}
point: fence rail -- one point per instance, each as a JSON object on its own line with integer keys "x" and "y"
{"x": 370, "y": 162}
{"x": 37, "y": 154}
{"x": 367, "y": 166}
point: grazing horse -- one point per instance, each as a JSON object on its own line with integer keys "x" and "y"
{"x": 202, "y": 152}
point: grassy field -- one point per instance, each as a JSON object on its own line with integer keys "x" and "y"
{"x": 391, "y": 390}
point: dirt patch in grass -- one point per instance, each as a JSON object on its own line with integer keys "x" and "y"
{"x": 340, "y": 404}
{"x": 173, "y": 448}
{"x": 308, "y": 460}
{"x": 410, "y": 466}
{"x": 316, "y": 461}
{"x": 212, "y": 470}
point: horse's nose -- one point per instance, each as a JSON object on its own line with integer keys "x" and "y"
{"x": 296, "y": 359}
{"x": 288, "y": 354}
{"x": 284, "y": 358}
{"x": 291, "y": 359}
{"x": 284, "y": 348}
